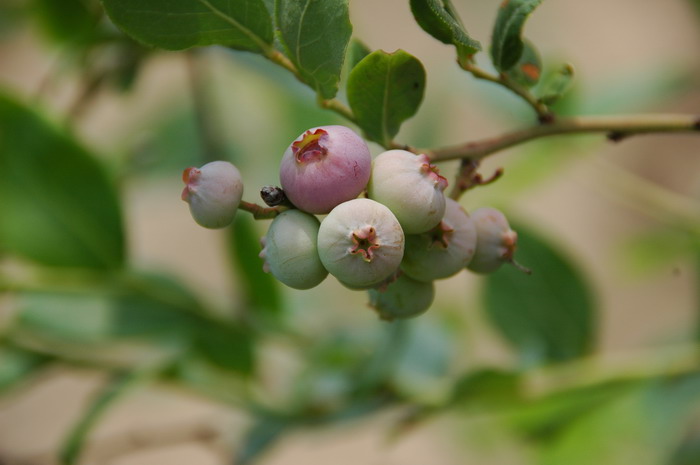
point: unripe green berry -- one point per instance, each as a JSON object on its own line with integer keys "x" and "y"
{"x": 213, "y": 192}
{"x": 444, "y": 250}
{"x": 402, "y": 298}
{"x": 361, "y": 243}
{"x": 411, "y": 187}
{"x": 290, "y": 252}
{"x": 495, "y": 241}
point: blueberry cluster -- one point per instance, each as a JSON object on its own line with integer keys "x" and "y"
{"x": 394, "y": 241}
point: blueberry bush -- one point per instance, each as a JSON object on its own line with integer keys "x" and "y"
{"x": 327, "y": 196}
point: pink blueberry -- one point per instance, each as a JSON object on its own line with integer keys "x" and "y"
{"x": 213, "y": 192}
{"x": 324, "y": 167}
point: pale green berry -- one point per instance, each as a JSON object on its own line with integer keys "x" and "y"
{"x": 411, "y": 187}
{"x": 444, "y": 250}
{"x": 213, "y": 192}
{"x": 290, "y": 252}
{"x": 495, "y": 241}
{"x": 361, "y": 243}
{"x": 402, "y": 298}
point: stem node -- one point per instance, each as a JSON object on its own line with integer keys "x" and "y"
{"x": 616, "y": 136}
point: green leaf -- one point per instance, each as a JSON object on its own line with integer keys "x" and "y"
{"x": 384, "y": 90}
{"x": 422, "y": 365}
{"x": 68, "y": 21}
{"x": 262, "y": 435}
{"x": 528, "y": 69}
{"x": 656, "y": 251}
{"x": 642, "y": 426}
{"x": 335, "y": 367}
{"x": 225, "y": 345}
{"x": 16, "y": 365}
{"x": 507, "y": 44}
{"x": 356, "y": 52}
{"x": 486, "y": 387}
{"x": 556, "y": 85}
{"x": 688, "y": 452}
{"x": 12, "y": 17}
{"x": 696, "y": 5}
{"x": 197, "y": 374}
{"x": 157, "y": 314}
{"x": 543, "y": 418}
{"x": 439, "y": 19}
{"x": 58, "y": 206}
{"x": 181, "y": 24}
{"x": 547, "y": 316}
{"x": 261, "y": 290}
{"x": 697, "y": 294}
{"x": 164, "y": 288}
{"x": 91, "y": 317}
{"x": 315, "y": 35}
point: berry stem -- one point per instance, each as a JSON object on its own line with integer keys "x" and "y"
{"x": 468, "y": 178}
{"x": 544, "y": 114}
{"x": 278, "y": 58}
{"x": 259, "y": 212}
{"x": 334, "y": 105}
{"x": 618, "y": 125}
{"x": 338, "y": 107}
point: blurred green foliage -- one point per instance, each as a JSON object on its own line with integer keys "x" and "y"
{"x": 60, "y": 207}
{"x": 548, "y": 316}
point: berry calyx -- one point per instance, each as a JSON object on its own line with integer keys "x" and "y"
{"x": 309, "y": 147}
{"x": 324, "y": 167}
{"x": 496, "y": 242}
{"x": 213, "y": 193}
{"x": 364, "y": 243}
{"x": 361, "y": 243}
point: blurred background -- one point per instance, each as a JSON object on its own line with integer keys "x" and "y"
{"x": 185, "y": 352}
